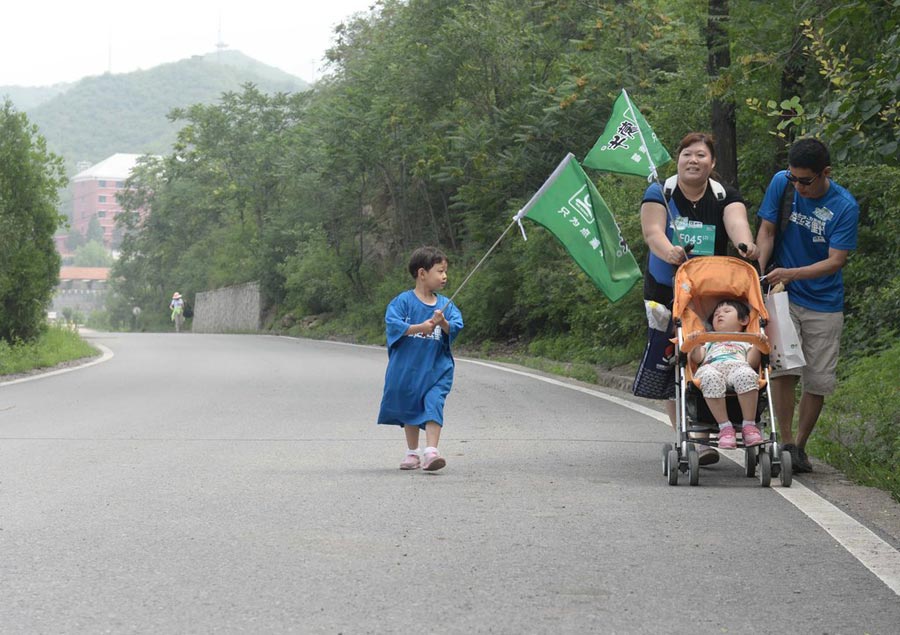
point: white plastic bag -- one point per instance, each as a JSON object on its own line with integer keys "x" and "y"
{"x": 658, "y": 315}
{"x": 786, "y": 350}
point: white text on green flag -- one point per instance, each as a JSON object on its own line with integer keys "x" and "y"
{"x": 570, "y": 207}
{"x": 627, "y": 145}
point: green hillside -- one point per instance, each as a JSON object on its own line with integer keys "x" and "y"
{"x": 29, "y": 97}
{"x": 99, "y": 116}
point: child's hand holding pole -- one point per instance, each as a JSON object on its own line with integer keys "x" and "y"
{"x": 440, "y": 320}
{"x": 425, "y": 328}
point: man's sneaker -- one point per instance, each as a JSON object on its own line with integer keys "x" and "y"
{"x": 751, "y": 435}
{"x": 410, "y": 462}
{"x": 433, "y": 462}
{"x": 727, "y": 440}
{"x": 803, "y": 464}
{"x": 708, "y": 456}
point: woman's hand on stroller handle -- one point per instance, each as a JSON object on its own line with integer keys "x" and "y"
{"x": 678, "y": 254}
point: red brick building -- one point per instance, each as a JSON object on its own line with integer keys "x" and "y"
{"x": 94, "y": 195}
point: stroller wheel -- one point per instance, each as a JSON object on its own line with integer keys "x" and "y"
{"x": 750, "y": 462}
{"x": 765, "y": 469}
{"x": 693, "y": 465}
{"x": 665, "y": 458}
{"x": 672, "y": 460}
{"x": 787, "y": 469}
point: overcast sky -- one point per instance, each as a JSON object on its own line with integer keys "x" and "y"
{"x": 44, "y": 42}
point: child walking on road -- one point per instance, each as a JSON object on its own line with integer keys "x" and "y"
{"x": 420, "y": 325}
{"x": 723, "y": 364}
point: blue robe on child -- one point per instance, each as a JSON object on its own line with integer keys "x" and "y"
{"x": 420, "y": 367}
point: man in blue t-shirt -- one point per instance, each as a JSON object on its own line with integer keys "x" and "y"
{"x": 812, "y": 249}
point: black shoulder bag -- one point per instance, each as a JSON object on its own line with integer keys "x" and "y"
{"x": 784, "y": 217}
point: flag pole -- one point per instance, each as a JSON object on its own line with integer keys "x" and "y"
{"x": 654, "y": 174}
{"x": 480, "y": 262}
{"x": 516, "y": 219}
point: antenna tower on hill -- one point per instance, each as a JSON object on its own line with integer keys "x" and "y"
{"x": 220, "y": 45}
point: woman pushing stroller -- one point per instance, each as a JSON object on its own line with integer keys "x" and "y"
{"x": 708, "y": 215}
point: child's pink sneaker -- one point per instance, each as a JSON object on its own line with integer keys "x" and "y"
{"x": 433, "y": 462}
{"x": 751, "y": 435}
{"x": 410, "y": 462}
{"x": 727, "y": 440}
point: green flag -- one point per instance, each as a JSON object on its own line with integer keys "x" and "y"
{"x": 570, "y": 207}
{"x": 627, "y": 145}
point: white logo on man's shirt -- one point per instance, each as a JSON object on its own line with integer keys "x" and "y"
{"x": 823, "y": 213}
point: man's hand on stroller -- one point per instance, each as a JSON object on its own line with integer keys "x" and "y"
{"x": 780, "y": 275}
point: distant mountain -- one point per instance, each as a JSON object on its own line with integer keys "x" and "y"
{"x": 99, "y": 116}
{"x": 27, "y": 97}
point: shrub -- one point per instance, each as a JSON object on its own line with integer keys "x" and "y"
{"x": 55, "y": 345}
{"x": 314, "y": 278}
{"x": 859, "y": 430}
{"x": 870, "y": 278}
{"x": 30, "y": 178}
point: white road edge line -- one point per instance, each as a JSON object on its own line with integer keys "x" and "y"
{"x": 105, "y": 356}
{"x": 863, "y": 544}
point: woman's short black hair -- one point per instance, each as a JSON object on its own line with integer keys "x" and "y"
{"x": 425, "y": 258}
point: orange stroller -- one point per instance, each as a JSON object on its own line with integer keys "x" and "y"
{"x": 700, "y": 284}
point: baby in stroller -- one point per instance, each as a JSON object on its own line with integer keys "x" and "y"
{"x": 724, "y": 364}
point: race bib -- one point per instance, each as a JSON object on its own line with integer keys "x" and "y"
{"x": 693, "y": 232}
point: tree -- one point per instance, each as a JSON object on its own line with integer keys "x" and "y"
{"x": 74, "y": 240}
{"x": 94, "y": 232}
{"x": 858, "y": 111}
{"x": 838, "y": 70}
{"x": 92, "y": 254}
{"x": 215, "y": 212}
{"x": 724, "y": 122}
{"x": 439, "y": 118}
{"x": 30, "y": 178}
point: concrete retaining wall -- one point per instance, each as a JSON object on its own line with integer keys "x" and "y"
{"x": 228, "y": 310}
{"x": 82, "y": 300}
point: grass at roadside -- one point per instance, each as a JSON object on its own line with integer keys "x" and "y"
{"x": 55, "y": 346}
{"x": 859, "y": 430}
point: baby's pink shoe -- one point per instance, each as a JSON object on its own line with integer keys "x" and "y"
{"x": 727, "y": 440}
{"x": 751, "y": 435}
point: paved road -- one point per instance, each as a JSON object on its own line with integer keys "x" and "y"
{"x": 238, "y": 484}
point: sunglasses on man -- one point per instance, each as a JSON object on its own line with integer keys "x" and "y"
{"x": 802, "y": 180}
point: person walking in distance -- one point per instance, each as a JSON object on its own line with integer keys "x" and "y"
{"x": 177, "y": 308}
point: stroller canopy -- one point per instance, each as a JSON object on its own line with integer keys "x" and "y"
{"x": 701, "y": 283}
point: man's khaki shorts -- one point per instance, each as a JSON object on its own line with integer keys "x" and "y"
{"x": 820, "y": 339}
